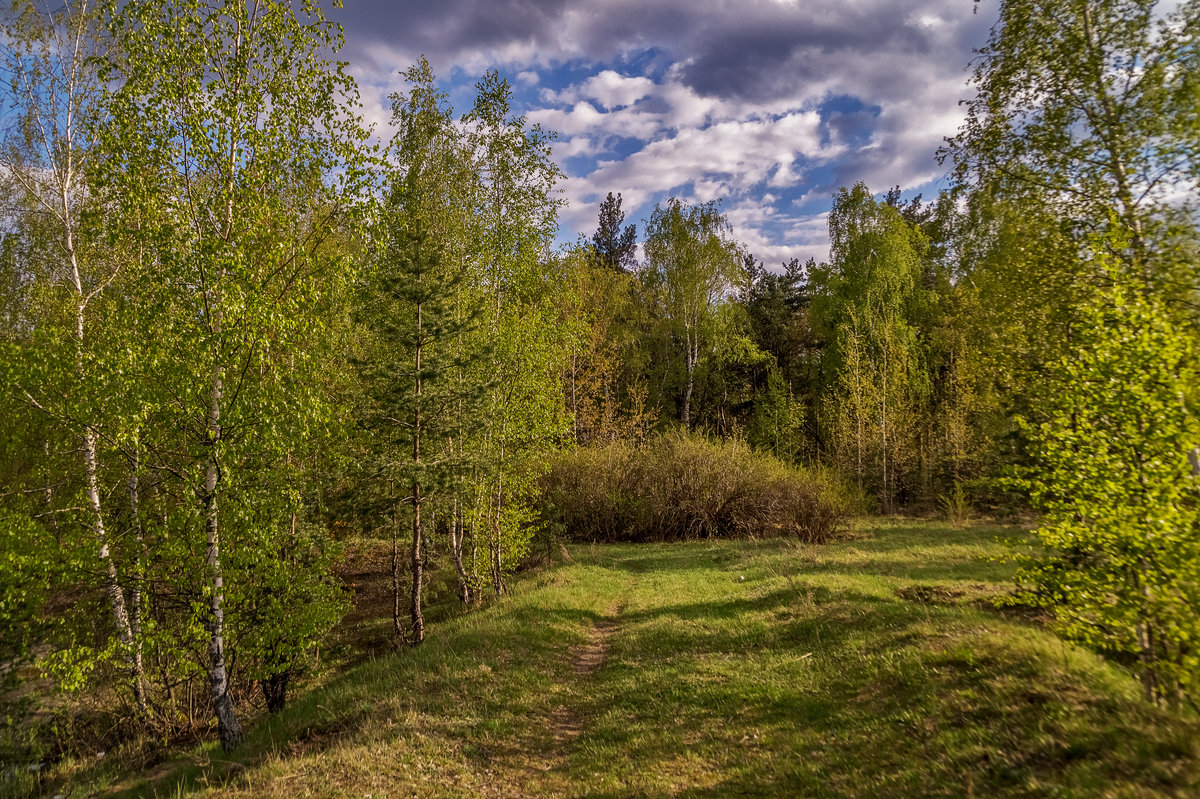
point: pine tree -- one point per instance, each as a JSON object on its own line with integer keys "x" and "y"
{"x": 612, "y": 246}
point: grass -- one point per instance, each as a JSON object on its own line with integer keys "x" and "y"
{"x": 872, "y": 666}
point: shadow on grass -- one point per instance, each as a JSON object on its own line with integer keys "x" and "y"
{"x": 819, "y": 688}
{"x": 885, "y": 550}
{"x": 967, "y": 568}
{"x": 883, "y": 702}
{"x": 474, "y": 669}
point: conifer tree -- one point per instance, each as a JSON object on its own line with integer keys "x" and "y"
{"x": 614, "y": 247}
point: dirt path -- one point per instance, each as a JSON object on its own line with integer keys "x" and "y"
{"x": 585, "y": 660}
{"x": 591, "y": 656}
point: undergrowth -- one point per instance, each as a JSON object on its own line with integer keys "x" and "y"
{"x": 680, "y": 486}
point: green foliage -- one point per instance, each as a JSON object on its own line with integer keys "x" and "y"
{"x": 605, "y": 387}
{"x": 293, "y": 601}
{"x": 1080, "y": 125}
{"x": 777, "y": 422}
{"x": 1085, "y": 102}
{"x": 692, "y": 269}
{"x": 777, "y": 306}
{"x": 515, "y": 221}
{"x": 1121, "y": 566}
{"x": 869, "y": 299}
{"x": 682, "y": 486}
{"x": 612, "y": 246}
{"x": 516, "y": 204}
{"x": 30, "y": 558}
{"x": 420, "y": 365}
{"x": 1085, "y": 114}
{"x": 223, "y": 164}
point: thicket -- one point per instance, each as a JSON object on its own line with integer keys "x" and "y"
{"x": 680, "y": 486}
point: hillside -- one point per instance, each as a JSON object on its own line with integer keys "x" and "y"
{"x": 874, "y": 666}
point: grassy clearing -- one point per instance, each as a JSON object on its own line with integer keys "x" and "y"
{"x": 872, "y": 666}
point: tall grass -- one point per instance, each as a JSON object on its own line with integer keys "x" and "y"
{"x": 680, "y": 486}
{"x": 956, "y": 506}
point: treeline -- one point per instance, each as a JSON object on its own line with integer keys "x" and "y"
{"x": 235, "y": 332}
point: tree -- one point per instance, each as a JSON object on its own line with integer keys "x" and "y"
{"x": 1084, "y": 122}
{"x": 614, "y": 247}
{"x": 693, "y": 266}
{"x": 517, "y": 206}
{"x": 604, "y": 385}
{"x": 778, "y": 306}
{"x": 1120, "y": 564}
{"x": 776, "y": 425}
{"x": 413, "y": 378}
{"x": 232, "y": 142}
{"x": 422, "y": 372}
{"x": 58, "y": 98}
{"x": 1091, "y": 104}
{"x": 515, "y": 223}
{"x": 867, "y": 299}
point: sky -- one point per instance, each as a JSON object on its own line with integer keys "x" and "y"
{"x": 767, "y": 105}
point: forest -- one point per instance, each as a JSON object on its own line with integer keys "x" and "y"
{"x": 239, "y": 332}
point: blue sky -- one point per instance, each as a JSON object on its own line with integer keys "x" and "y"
{"x": 770, "y": 105}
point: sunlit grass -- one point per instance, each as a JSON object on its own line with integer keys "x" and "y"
{"x": 871, "y": 666}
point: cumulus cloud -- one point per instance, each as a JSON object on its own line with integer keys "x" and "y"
{"x": 614, "y": 90}
{"x": 771, "y": 104}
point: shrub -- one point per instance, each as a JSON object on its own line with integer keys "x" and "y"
{"x": 679, "y": 486}
{"x": 956, "y": 506}
{"x": 1114, "y": 474}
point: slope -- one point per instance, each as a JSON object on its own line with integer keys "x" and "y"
{"x": 874, "y": 666}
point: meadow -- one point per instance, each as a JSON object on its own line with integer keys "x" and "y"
{"x": 888, "y": 662}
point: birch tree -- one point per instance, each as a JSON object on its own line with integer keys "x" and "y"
{"x": 867, "y": 299}
{"x": 1090, "y": 105}
{"x": 516, "y": 216}
{"x": 1119, "y": 561}
{"x": 693, "y": 265}
{"x": 229, "y": 124}
{"x": 58, "y": 98}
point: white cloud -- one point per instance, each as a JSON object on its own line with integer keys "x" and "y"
{"x": 705, "y": 99}
{"x": 614, "y": 90}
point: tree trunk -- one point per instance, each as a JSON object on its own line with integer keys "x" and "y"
{"x": 112, "y": 585}
{"x": 497, "y": 566}
{"x": 1113, "y": 141}
{"x": 457, "y": 533}
{"x": 139, "y": 679}
{"x": 497, "y": 561}
{"x": 574, "y": 400}
{"x": 274, "y": 690}
{"x": 497, "y": 557}
{"x": 693, "y": 355}
{"x": 228, "y": 729}
{"x": 418, "y": 571}
{"x": 47, "y": 492}
{"x": 396, "y": 625}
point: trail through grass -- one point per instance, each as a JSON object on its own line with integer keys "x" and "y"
{"x": 873, "y": 666}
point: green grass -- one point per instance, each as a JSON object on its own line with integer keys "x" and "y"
{"x": 873, "y": 666}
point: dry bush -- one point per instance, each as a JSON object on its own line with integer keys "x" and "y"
{"x": 679, "y": 486}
